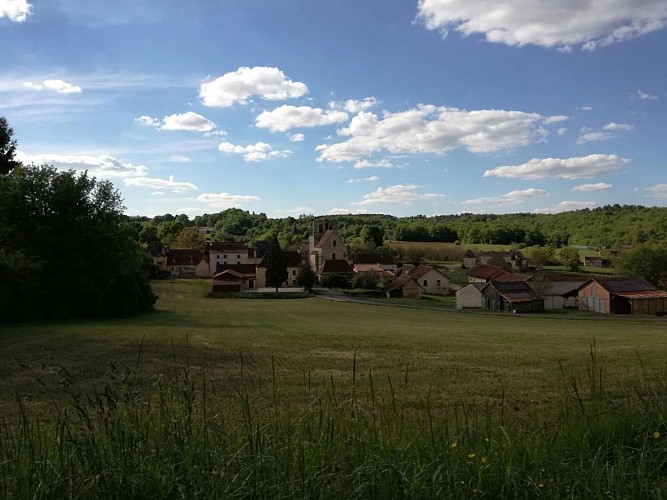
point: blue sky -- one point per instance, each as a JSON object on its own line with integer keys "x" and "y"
{"x": 290, "y": 107}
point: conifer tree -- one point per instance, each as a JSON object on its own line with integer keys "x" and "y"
{"x": 276, "y": 270}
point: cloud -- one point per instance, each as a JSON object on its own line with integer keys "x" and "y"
{"x": 372, "y": 178}
{"x": 645, "y": 96}
{"x": 384, "y": 163}
{"x": 268, "y": 83}
{"x": 355, "y": 106}
{"x": 561, "y": 25}
{"x": 657, "y": 191}
{"x": 97, "y": 166}
{"x": 222, "y": 200}
{"x": 253, "y": 152}
{"x": 581, "y": 167}
{"x": 180, "y": 159}
{"x": 154, "y": 183}
{"x": 348, "y": 211}
{"x": 188, "y": 121}
{"x": 555, "y": 119}
{"x": 586, "y": 108}
{"x": 598, "y": 186}
{"x": 588, "y": 135}
{"x": 431, "y": 129}
{"x": 58, "y": 86}
{"x": 566, "y": 206}
{"x": 15, "y": 10}
{"x": 561, "y": 131}
{"x": 511, "y": 198}
{"x": 396, "y": 195}
{"x": 287, "y": 117}
{"x": 296, "y": 138}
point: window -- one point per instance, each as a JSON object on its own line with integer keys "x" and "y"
{"x": 293, "y": 272}
{"x": 238, "y": 262}
{"x": 225, "y": 256}
{"x": 251, "y": 284}
{"x": 437, "y": 282}
{"x": 238, "y": 256}
{"x": 217, "y": 257}
{"x": 334, "y": 243}
{"x": 293, "y": 282}
{"x": 425, "y": 282}
{"x": 333, "y": 256}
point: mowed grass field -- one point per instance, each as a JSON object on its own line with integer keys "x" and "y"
{"x": 524, "y": 362}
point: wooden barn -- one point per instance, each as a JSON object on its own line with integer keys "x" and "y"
{"x": 622, "y": 295}
{"x": 511, "y": 297}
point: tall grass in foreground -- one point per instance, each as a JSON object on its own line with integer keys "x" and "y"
{"x": 170, "y": 436}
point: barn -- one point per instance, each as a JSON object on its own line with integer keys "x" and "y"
{"x": 511, "y": 297}
{"x": 622, "y": 295}
{"x": 403, "y": 287}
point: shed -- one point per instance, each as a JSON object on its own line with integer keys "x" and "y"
{"x": 622, "y": 295}
{"x": 469, "y": 296}
{"x": 559, "y": 291}
{"x": 511, "y": 297}
{"x": 403, "y": 287}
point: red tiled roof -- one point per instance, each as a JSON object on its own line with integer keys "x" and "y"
{"x": 399, "y": 282}
{"x": 486, "y": 271}
{"x": 644, "y": 294}
{"x": 183, "y": 257}
{"x": 246, "y": 270}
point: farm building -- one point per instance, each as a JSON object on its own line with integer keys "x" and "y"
{"x": 234, "y": 278}
{"x": 593, "y": 261}
{"x": 182, "y": 262}
{"x": 293, "y": 263}
{"x": 469, "y": 296}
{"x": 559, "y": 291}
{"x": 621, "y": 295}
{"x": 430, "y": 279}
{"x": 511, "y": 297}
{"x": 403, "y": 287}
{"x": 485, "y": 273}
{"x": 469, "y": 259}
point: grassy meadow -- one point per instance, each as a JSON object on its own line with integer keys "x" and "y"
{"x": 307, "y": 398}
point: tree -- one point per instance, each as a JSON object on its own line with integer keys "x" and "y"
{"x": 276, "y": 270}
{"x": 648, "y": 261}
{"x": 189, "y": 238}
{"x": 68, "y": 232}
{"x": 306, "y": 277}
{"x": 7, "y": 148}
{"x": 372, "y": 233}
{"x": 570, "y": 258}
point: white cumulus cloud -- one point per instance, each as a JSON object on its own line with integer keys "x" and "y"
{"x": 97, "y": 166}
{"x": 566, "y": 206}
{"x": 354, "y": 106}
{"x": 581, "y": 167}
{"x": 59, "y": 86}
{"x": 253, "y": 152}
{"x": 432, "y": 129}
{"x": 238, "y": 86}
{"x": 396, "y": 195}
{"x": 296, "y": 138}
{"x": 348, "y": 211}
{"x": 188, "y": 121}
{"x": 223, "y": 200}
{"x": 590, "y": 135}
{"x": 286, "y": 117}
{"x": 154, "y": 183}
{"x": 15, "y": 10}
{"x": 657, "y": 191}
{"x": 511, "y": 198}
{"x": 559, "y": 24}
{"x": 598, "y": 186}
{"x": 384, "y": 163}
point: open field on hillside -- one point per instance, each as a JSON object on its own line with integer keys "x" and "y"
{"x": 457, "y": 356}
{"x": 305, "y": 398}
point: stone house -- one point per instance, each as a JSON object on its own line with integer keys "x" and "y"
{"x": 293, "y": 262}
{"x": 485, "y": 273}
{"x": 469, "y": 259}
{"x": 429, "y": 278}
{"x": 327, "y": 253}
{"x": 158, "y": 253}
{"x": 514, "y": 259}
{"x": 187, "y": 263}
{"x": 229, "y": 253}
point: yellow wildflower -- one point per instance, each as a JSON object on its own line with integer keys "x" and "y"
{"x": 471, "y": 455}
{"x": 656, "y": 435}
{"x": 484, "y": 459}
{"x": 453, "y": 445}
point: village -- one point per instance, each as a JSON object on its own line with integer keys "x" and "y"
{"x": 497, "y": 281}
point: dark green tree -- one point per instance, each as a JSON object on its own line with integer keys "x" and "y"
{"x": 306, "y": 277}
{"x": 69, "y": 230}
{"x": 570, "y": 258}
{"x": 648, "y": 261}
{"x": 372, "y": 233}
{"x": 276, "y": 270}
{"x": 7, "y": 148}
